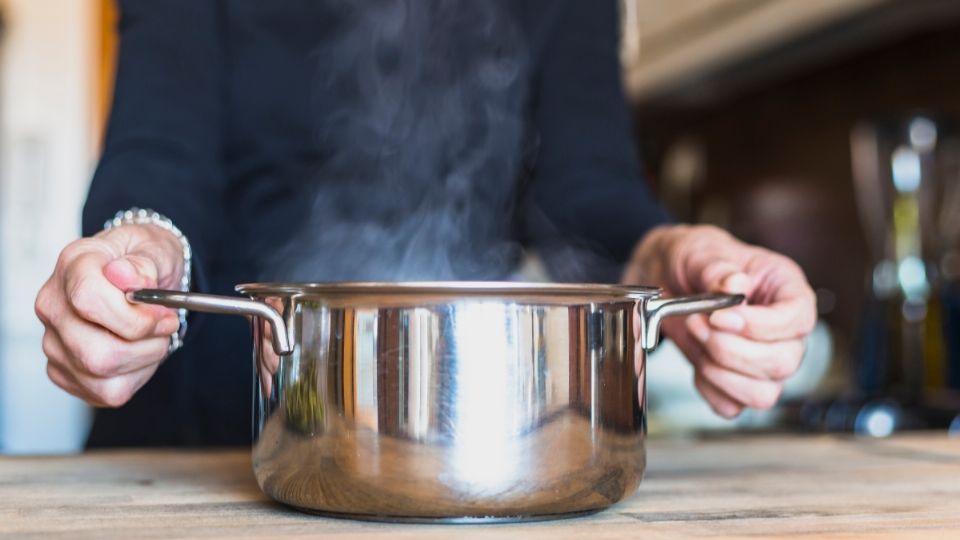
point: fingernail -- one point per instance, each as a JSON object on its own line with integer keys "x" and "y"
{"x": 727, "y": 320}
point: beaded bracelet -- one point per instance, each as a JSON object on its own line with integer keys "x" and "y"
{"x": 142, "y": 216}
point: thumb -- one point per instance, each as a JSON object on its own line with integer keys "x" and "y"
{"x": 725, "y": 277}
{"x": 132, "y": 272}
{"x": 729, "y": 278}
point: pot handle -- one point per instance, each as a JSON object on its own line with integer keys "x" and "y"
{"x": 652, "y": 312}
{"x": 209, "y": 303}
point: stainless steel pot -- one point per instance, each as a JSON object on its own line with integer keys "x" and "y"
{"x": 448, "y": 401}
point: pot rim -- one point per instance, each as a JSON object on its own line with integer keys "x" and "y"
{"x": 453, "y": 288}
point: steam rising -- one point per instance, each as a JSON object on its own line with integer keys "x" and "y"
{"x": 420, "y": 113}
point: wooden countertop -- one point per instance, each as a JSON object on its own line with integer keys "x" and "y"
{"x": 735, "y": 487}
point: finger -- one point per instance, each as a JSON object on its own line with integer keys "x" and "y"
{"x": 59, "y": 372}
{"x": 49, "y": 304}
{"x": 114, "y": 391}
{"x": 760, "y": 360}
{"x": 153, "y": 252}
{"x": 756, "y": 393}
{"x": 97, "y": 391}
{"x": 98, "y": 353}
{"x": 58, "y": 360}
{"x": 131, "y": 272}
{"x": 721, "y": 403}
{"x": 691, "y": 347}
{"x": 61, "y": 378}
{"x": 726, "y": 277}
{"x": 95, "y": 299}
{"x": 788, "y": 319}
{"x": 698, "y": 327}
{"x": 687, "y": 342}
{"x": 53, "y": 347}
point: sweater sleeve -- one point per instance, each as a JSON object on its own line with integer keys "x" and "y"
{"x": 163, "y": 144}
{"x": 586, "y": 193}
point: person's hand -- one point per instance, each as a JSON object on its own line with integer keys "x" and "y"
{"x": 741, "y": 355}
{"x": 99, "y": 347}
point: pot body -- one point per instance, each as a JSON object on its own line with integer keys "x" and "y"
{"x": 461, "y": 408}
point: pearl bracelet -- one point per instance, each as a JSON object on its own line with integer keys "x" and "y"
{"x": 141, "y": 216}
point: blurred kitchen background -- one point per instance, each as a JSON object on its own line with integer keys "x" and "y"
{"x": 823, "y": 129}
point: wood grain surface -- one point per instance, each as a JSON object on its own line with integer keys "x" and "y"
{"x": 737, "y": 487}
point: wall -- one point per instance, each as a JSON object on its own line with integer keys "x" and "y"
{"x": 47, "y": 126}
{"x": 790, "y": 141}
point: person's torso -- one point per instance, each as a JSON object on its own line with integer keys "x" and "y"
{"x": 385, "y": 129}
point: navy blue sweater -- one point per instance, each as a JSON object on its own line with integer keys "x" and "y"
{"x": 212, "y": 126}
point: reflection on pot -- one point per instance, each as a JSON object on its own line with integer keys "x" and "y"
{"x": 476, "y": 408}
{"x": 449, "y": 401}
